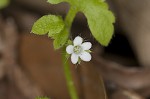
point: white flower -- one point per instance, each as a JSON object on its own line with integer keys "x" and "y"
{"x": 79, "y": 50}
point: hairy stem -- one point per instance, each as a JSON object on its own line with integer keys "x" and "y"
{"x": 70, "y": 84}
{"x": 69, "y": 80}
{"x": 70, "y": 17}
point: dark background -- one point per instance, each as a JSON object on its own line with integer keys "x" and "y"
{"x": 30, "y": 67}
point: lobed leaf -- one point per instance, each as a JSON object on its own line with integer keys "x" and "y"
{"x": 50, "y": 24}
{"x": 100, "y": 24}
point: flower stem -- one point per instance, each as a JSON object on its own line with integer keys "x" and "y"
{"x": 70, "y": 17}
{"x": 69, "y": 80}
{"x": 70, "y": 84}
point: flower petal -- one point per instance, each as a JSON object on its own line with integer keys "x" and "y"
{"x": 69, "y": 49}
{"x": 77, "y": 41}
{"x": 86, "y": 45}
{"x": 74, "y": 58}
{"x": 85, "y": 56}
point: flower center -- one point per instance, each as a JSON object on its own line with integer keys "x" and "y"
{"x": 77, "y": 49}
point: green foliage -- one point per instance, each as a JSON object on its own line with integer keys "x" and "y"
{"x": 4, "y": 3}
{"x": 61, "y": 39}
{"x": 54, "y": 27}
{"x": 51, "y": 24}
{"x": 100, "y": 24}
{"x": 100, "y": 19}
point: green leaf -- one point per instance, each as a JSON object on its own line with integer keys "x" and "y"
{"x": 100, "y": 19}
{"x": 4, "y": 3}
{"x": 100, "y": 24}
{"x": 50, "y": 24}
{"x": 61, "y": 39}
